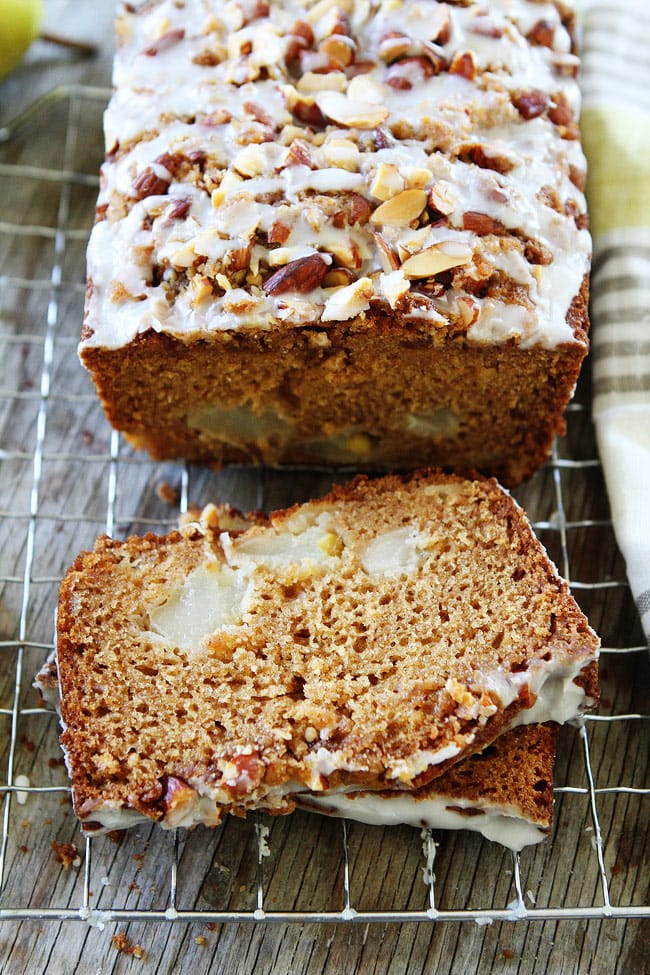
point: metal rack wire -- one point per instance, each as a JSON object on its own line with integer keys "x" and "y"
{"x": 66, "y": 477}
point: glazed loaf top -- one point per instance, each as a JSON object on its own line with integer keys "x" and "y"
{"x": 289, "y": 164}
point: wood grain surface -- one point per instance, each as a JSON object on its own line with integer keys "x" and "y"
{"x": 64, "y": 479}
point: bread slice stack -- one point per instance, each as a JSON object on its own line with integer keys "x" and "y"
{"x": 391, "y": 652}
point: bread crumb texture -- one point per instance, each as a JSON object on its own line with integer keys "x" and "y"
{"x": 370, "y": 638}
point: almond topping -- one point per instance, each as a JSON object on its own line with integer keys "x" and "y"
{"x": 541, "y": 33}
{"x": 307, "y": 111}
{"x": 387, "y": 255}
{"x": 346, "y": 303}
{"x": 463, "y": 64}
{"x": 401, "y": 209}
{"x": 409, "y": 72}
{"x": 394, "y": 45}
{"x": 342, "y": 153}
{"x": 302, "y": 275}
{"x": 481, "y": 223}
{"x": 279, "y": 233}
{"x": 338, "y": 277}
{"x": 330, "y": 81}
{"x": 339, "y": 49}
{"x": 353, "y": 114}
{"x": 440, "y": 24}
{"x": 442, "y": 197}
{"x": 387, "y": 182}
{"x": 530, "y": 103}
{"x": 164, "y": 42}
{"x": 432, "y": 261}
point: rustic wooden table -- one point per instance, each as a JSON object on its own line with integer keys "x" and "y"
{"x": 326, "y": 898}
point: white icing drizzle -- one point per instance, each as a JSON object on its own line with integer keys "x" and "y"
{"x": 501, "y": 823}
{"x": 229, "y": 59}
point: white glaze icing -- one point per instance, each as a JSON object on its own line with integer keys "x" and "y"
{"x": 153, "y": 111}
{"x": 500, "y": 823}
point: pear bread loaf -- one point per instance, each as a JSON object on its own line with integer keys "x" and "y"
{"x": 366, "y": 641}
{"x": 341, "y": 232}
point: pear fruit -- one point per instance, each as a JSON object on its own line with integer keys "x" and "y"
{"x": 20, "y": 24}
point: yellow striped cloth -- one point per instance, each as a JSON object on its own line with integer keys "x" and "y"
{"x": 616, "y": 136}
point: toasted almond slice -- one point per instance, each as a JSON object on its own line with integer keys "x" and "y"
{"x": 338, "y": 277}
{"x": 401, "y": 209}
{"x": 339, "y": 49}
{"x": 387, "y": 256}
{"x": 388, "y": 181}
{"x": 332, "y": 81}
{"x": 342, "y": 153}
{"x": 393, "y": 46}
{"x": 432, "y": 261}
{"x": 346, "y": 303}
{"x": 442, "y": 197}
{"x": 353, "y": 114}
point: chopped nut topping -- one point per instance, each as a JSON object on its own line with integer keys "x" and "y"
{"x": 394, "y": 45}
{"x": 164, "y": 42}
{"x": 481, "y": 223}
{"x": 542, "y": 33}
{"x": 400, "y": 210}
{"x": 463, "y": 64}
{"x": 348, "y": 302}
{"x": 531, "y": 103}
{"x": 409, "y": 72}
{"x": 442, "y": 197}
{"x": 329, "y": 81}
{"x": 353, "y": 114}
{"x": 342, "y": 153}
{"x": 432, "y": 261}
{"x": 302, "y": 275}
{"x": 339, "y": 49}
{"x": 387, "y": 181}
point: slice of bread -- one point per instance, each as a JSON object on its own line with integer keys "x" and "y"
{"x": 365, "y": 641}
{"x": 504, "y": 792}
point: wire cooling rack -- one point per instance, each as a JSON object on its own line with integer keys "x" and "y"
{"x": 66, "y": 477}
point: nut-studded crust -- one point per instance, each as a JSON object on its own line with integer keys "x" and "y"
{"x": 357, "y": 171}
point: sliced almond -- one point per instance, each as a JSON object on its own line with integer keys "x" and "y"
{"x": 433, "y": 261}
{"x": 338, "y": 277}
{"x": 439, "y": 25}
{"x": 394, "y": 45}
{"x": 401, "y": 209}
{"x": 387, "y": 255}
{"x": 330, "y": 81}
{"x": 351, "y": 113}
{"x": 442, "y": 197}
{"x": 324, "y": 6}
{"x": 394, "y": 287}
{"x": 417, "y": 177}
{"x": 387, "y": 182}
{"x": 342, "y": 153}
{"x": 346, "y": 253}
{"x": 348, "y": 302}
{"x": 339, "y": 49}
{"x": 201, "y": 288}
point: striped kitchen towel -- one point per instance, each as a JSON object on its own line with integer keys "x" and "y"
{"x": 616, "y": 136}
